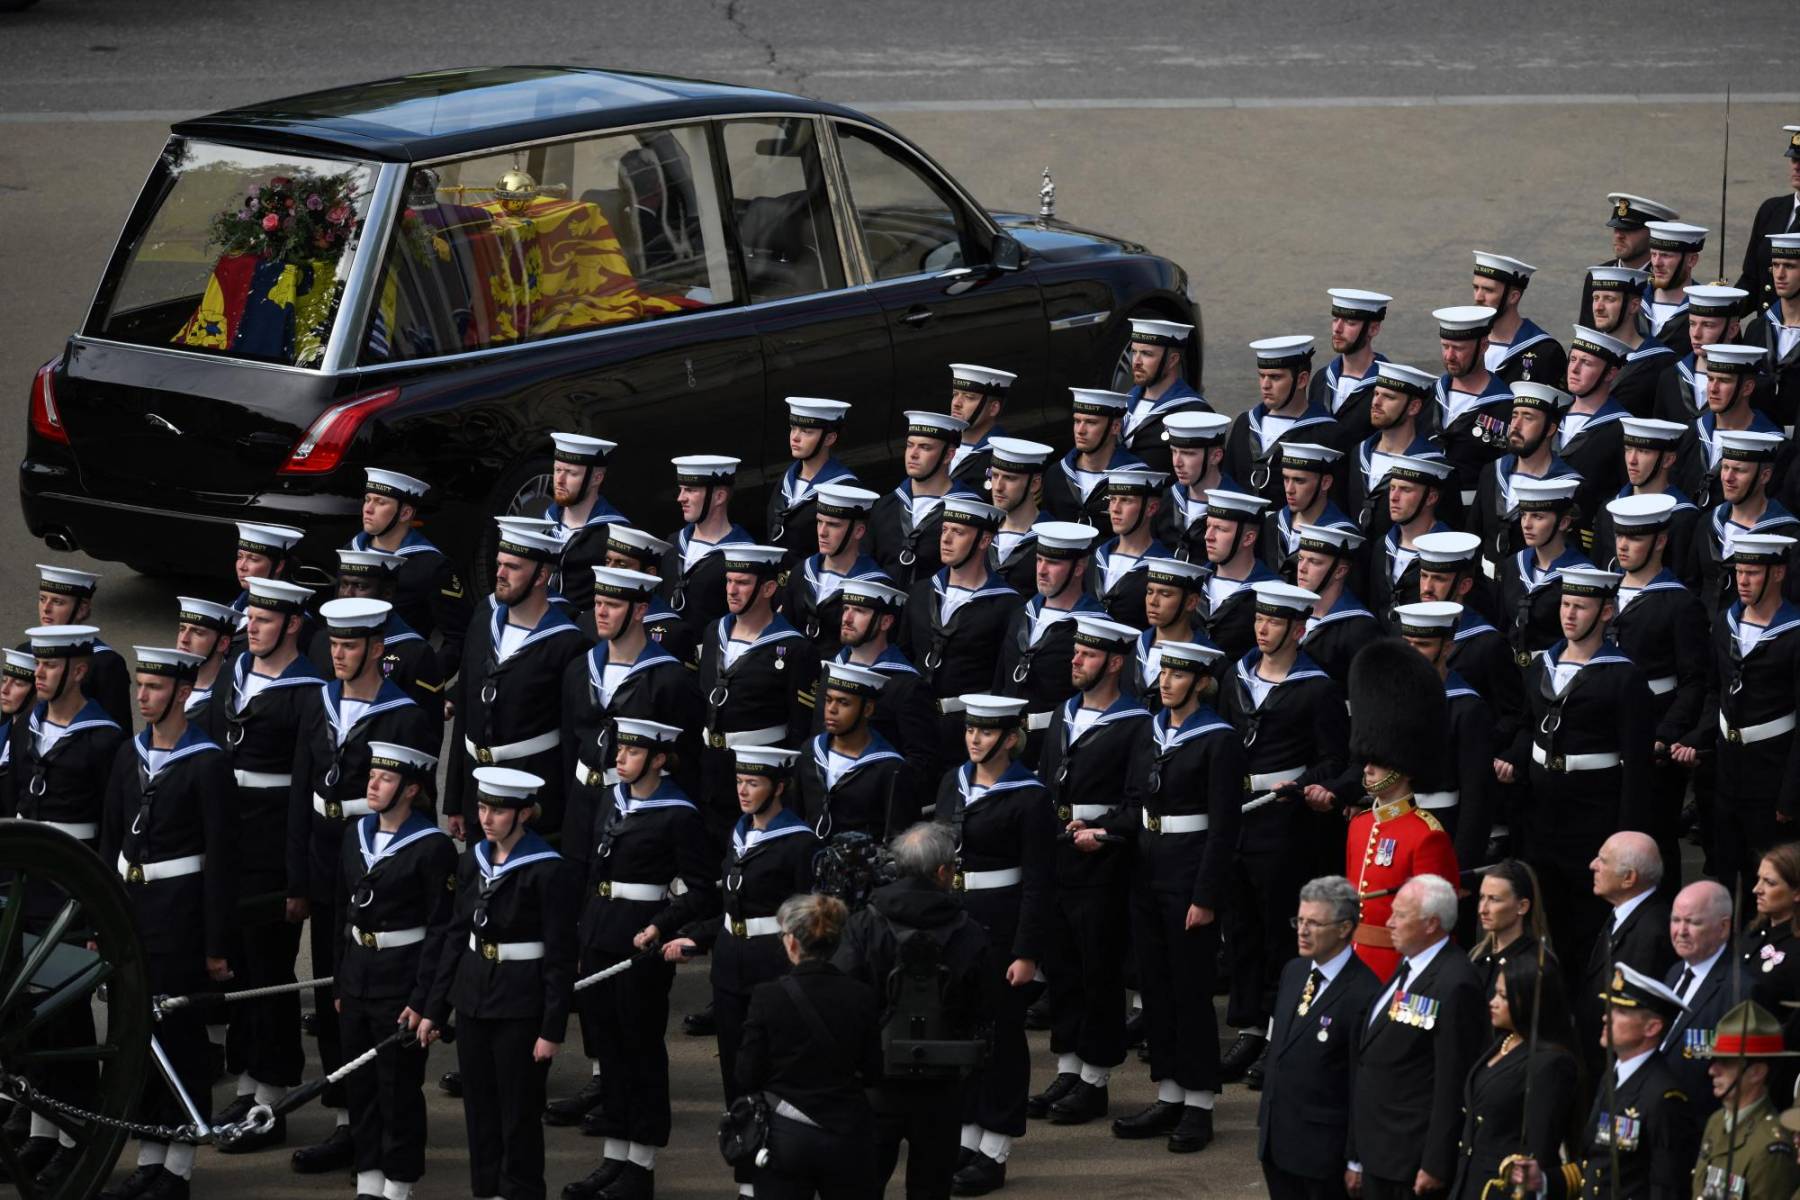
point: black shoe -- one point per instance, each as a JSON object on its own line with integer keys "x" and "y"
{"x": 1037, "y": 1016}
{"x": 1039, "y": 1105}
{"x": 631, "y": 1183}
{"x": 1136, "y": 1028}
{"x": 236, "y": 1111}
{"x": 1245, "y": 1051}
{"x": 450, "y": 1083}
{"x": 981, "y": 1176}
{"x": 309, "y": 1024}
{"x": 1194, "y": 1132}
{"x": 34, "y": 1155}
{"x": 59, "y": 1166}
{"x": 1253, "y": 1078}
{"x": 250, "y": 1143}
{"x": 700, "y": 1024}
{"x": 570, "y": 1109}
{"x": 166, "y": 1186}
{"x": 335, "y": 1153}
{"x": 133, "y": 1185}
{"x": 964, "y": 1156}
{"x": 596, "y": 1182}
{"x": 1084, "y": 1102}
{"x": 1160, "y": 1118}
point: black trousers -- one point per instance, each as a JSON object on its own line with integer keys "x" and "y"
{"x": 994, "y": 1097}
{"x": 630, "y": 1017}
{"x": 263, "y": 1036}
{"x": 1390, "y": 1189}
{"x": 182, "y": 1035}
{"x": 805, "y": 1161}
{"x": 926, "y": 1117}
{"x": 1257, "y": 936}
{"x": 324, "y": 931}
{"x": 387, "y": 1098}
{"x": 1085, "y": 961}
{"x": 1284, "y": 1185}
{"x": 503, "y": 1106}
{"x": 1574, "y": 915}
{"x": 1176, "y": 967}
{"x": 1744, "y": 829}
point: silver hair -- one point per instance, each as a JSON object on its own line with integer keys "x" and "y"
{"x": 1437, "y": 898}
{"x": 815, "y": 921}
{"x": 1637, "y": 852}
{"x": 922, "y": 850}
{"x": 1334, "y": 890}
{"x": 1715, "y": 901}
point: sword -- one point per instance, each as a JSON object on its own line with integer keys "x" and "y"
{"x": 1531, "y": 1045}
{"x": 1724, "y": 181}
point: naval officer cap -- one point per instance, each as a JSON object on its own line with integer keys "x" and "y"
{"x": 525, "y": 538}
{"x": 580, "y": 450}
{"x": 769, "y": 762}
{"x": 1398, "y": 377}
{"x": 1545, "y": 495}
{"x": 378, "y": 481}
{"x": 20, "y": 664}
{"x": 1511, "y": 271}
{"x": 1234, "y": 506}
{"x": 872, "y": 593}
{"x": 1192, "y": 430}
{"x": 62, "y": 641}
{"x": 1784, "y": 245}
{"x": 1354, "y": 304}
{"x": 842, "y": 500}
{"x": 1729, "y": 358}
{"x": 1601, "y": 345}
{"x": 1335, "y": 541}
{"x": 747, "y": 558}
{"x": 1641, "y": 513}
{"x": 1309, "y": 457}
{"x": 354, "y": 617}
{"x": 1634, "y": 212}
{"x": 967, "y": 510}
{"x": 1464, "y": 322}
{"x": 1606, "y": 278}
{"x": 206, "y": 614}
{"x": 277, "y": 596}
{"x": 1063, "y": 539}
{"x": 1715, "y": 300}
{"x": 1274, "y": 599}
{"x": 1631, "y": 988}
{"x": 853, "y": 680}
{"x": 982, "y": 710}
{"x": 1447, "y": 551}
{"x": 66, "y": 581}
{"x": 1793, "y": 145}
{"x": 1590, "y": 581}
{"x": 167, "y": 662}
{"x": 408, "y": 762}
{"x": 1748, "y": 445}
{"x": 367, "y": 564}
{"x": 982, "y": 381}
{"x": 1018, "y": 456}
{"x": 617, "y": 583}
{"x": 1765, "y": 549}
{"x": 1146, "y": 332}
{"x": 1676, "y": 235}
{"x": 1553, "y": 402}
{"x": 1293, "y": 351}
{"x": 1428, "y": 618}
{"x": 1196, "y": 657}
{"x": 1097, "y": 631}
{"x": 941, "y": 426}
{"x": 634, "y": 543}
{"x": 1134, "y": 481}
{"x": 1098, "y": 402}
{"x": 1174, "y": 572}
{"x": 810, "y": 412}
{"x": 705, "y": 470}
{"x": 1648, "y": 433}
{"x": 635, "y": 731}
{"x": 507, "y": 787}
{"x": 270, "y": 541}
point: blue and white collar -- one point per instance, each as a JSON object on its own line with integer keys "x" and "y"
{"x": 553, "y": 623}
{"x": 1017, "y": 776}
{"x": 530, "y": 848}
{"x": 413, "y": 829}
{"x": 745, "y": 838}
{"x": 193, "y": 741}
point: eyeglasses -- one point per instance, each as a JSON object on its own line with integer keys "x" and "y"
{"x": 1309, "y": 924}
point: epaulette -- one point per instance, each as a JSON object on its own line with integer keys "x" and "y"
{"x": 1431, "y": 822}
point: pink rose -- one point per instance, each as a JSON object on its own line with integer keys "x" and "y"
{"x": 313, "y": 202}
{"x": 339, "y": 215}
{"x": 271, "y": 222}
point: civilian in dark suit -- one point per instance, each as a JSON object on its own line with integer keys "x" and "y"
{"x": 1413, "y": 1052}
{"x": 1321, "y": 1005}
{"x": 1626, "y": 872}
{"x": 1777, "y": 214}
{"x": 1708, "y": 977}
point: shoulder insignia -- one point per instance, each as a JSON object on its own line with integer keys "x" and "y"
{"x": 655, "y": 634}
{"x": 781, "y": 580}
{"x": 1675, "y": 1094}
{"x": 434, "y": 689}
{"x": 1431, "y": 822}
{"x": 454, "y": 589}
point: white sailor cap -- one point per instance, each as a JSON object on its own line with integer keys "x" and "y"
{"x": 984, "y": 381}
{"x": 1589, "y": 581}
{"x": 1274, "y": 599}
{"x": 1416, "y": 469}
{"x": 1398, "y": 377}
{"x": 1134, "y": 481}
{"x": 872, "y": 593}
{"x": 1608, "y": 278}
{"x": 1448, "y": 550}
{"x": 1729, "y": 358}
{"x": 1098, "y": 402}
{"x": 1784, "y": 245}
{"x": 747, "y": 558}
{"x": 1753, "y": 548}
{"x": 66, "y": 581}
{"x": 1159, "y": 333}
{"x": 1234, "y": 506}
{"x": 857, "y": 681}
{"x": 1063, "y": 539}
{"x": 1428, "y": 618}
{"x": 1308, "y": 456}
{"x": 1600, "y": 345}
{"x": 276, "y": 595}
{"x": 20, "y": 664}
{"x": 1642, "y": 513}
{"x": 1633, "y": 212}
{"x": 1335, "y": 540}
{"x": 635, "y": 731}
{"x": 767, "y": 761}
{"x": 1648, "y": 432}
{"x": 1289, "y": 350}
{"x": 1512, "y": 271}
{"x": 1188, "y": 656}
{"x": 967, "y": 510}
{"x": 1018, "y": 456}
{"x": 517, "y": 537}
{"x": 166, "y": 661}
{"x": 705, "y": 470}
{"x": 353, "y": 617}
{"x": 506, "y": 787}
{"x": 1748, "y": 445}
{"x": 810, "y": 412}
{"x": 1464, "y": 322}
{"x": 617, "y": 583}
{"x": 1545, "y": 495}
{"x": 1793, "y": 146}
{"x": 942, "y": 426}
{"x": 270, "y": 541}
{"x": 842, "y": 500}
{"x": 1715, "y": 299}
{"x": 1174, "y": 572}
{"x": 1100, "y": 632}
{"x": 580, "y": 450}
{"x": 362, "y": 563}
{"x": 383, "y": 482}
{"x": 1676, "y": 235}
{"x": 1190, "y": 428}
{"x": 62, "y": 641}
{"x": 634, "y": 543}
{"x": 1357, "y": 305}
{"x": 205, "y": 614}
{"x": 987, "y": 711}
{"x": 409, "y": 762}
{"x": 1551, "y": 401}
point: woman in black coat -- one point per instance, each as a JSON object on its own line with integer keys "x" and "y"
{"x": 1494, "y": 1094}
{"x": 811, "y": 1042}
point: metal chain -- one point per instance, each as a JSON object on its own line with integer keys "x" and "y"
{"x": 23, "y": 1093}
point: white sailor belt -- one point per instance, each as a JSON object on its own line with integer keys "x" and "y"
{"x": 386, "y": 939}
{"x": 81, "y": 831}
{"x": 1037, "y": 722}
{"x": 1176, "y": 822}
{"x": 769, "y": 735}
{"x": 1572, "y": 762}
{"x": 337, "y": 810}
{"x": 1269, "y": 780}
{"x": 1082, "y": 812}
{"x": 488, "y": 755}
{"x": 586, "y": 776}
{"x": 606, "y": 889}
{"x": 1746, "y": 734}
{"x": 506, "y": 951}
{"x": 1662, "y": 685}
{"x": 749, "y": 927}
{"x": 261, "y": 779}
{"x": 168, "y": 868}
{"x": 1438, "y": 800}
{"x": 981, "y": 881}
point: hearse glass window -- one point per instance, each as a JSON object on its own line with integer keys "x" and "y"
{"x": 779, "y": 202}
{"x": 551, "y": 240}
{"x": 910, "y": 225}
{"x": 243, "y": 253}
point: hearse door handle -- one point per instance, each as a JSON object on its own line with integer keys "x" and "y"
{"x": 917, "y": 316}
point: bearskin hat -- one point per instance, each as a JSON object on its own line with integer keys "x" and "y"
{"x": 1398, "y": 715}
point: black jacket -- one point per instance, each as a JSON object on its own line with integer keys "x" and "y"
{"x": 762, "y": 868}
{"x": 1333, "y": 639}
{"x": 74, "y": 773}
{"x": 906, "y": 717}
{"x": 407, "y": 660}
{"x": 906, "y": 550}
{"x": 1304, "y": 1113}
{"x": 1009, "y": 827}
{"x": 430, "y": 597}
{"x": 583, "y": 549}
{"x": 876, "y": 795}
{"x": 1300, "y": 731}
{"x": 1493, "y": 1106}
{"x": 1038, "y": 671}
{"x": 408, "y": 884}
{"x": 1641, "y": 942}
{"x": 262, "y": 740}
{"x": 819, "y": 618}
{"x": 1657, "y": 1136}
{"x": 770, "y": 682}
{"x": 789, "y": 517}
{"x": 1091, "y": 777}
{"x": 1255, "y": 462}
{"x": 821, "y": 1075}
{"x": 1692, "y": 1030}
{"x": 1774, "y": 215}
{"x": 1746, "y": 690}
{"x": 957, "y": 655}
{"x": 659, "y": 841}
{"x": 1664, "y": 631}
{"x": 1198, "y": 768}
{"x": 697, "y": 591}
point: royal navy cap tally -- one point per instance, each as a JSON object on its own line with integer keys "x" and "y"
{"x": 506, "y": 787}
{"x": 1763, "y": 548}
{"x": 1189, "y": 429}
{"x": 1600, "y": 345}
{"x": 1234, "y": 506}
{"x": 1354, "y": 304}
{"x": 1545, "y": 495}
{"x": 1784, "y": 245}
{"x": 1551, "y": 401}
{"x": 1308, "y": 456}
{"x": 942, "y": 426}
{"x": 206, "y": 614}
{"x": 747, "y": 558}
{"x": 580, "y": 450}
{"x": 1283, "y": 599}
{"x": 1063, "y": 539}
{"x": 1650, "y": 433}
{"x": 522, "y": 540}
{"x": 1641, "y": 513}
{"x": 1676, "y": 235}
{"x": 810, "y": 412}
{"x": 1508, "y": 270}
{"x": 872, "y": 593}
{"x": 703, "y": 470}
{"x": 62, "y": 641}
{"x": 167, "y": 661}
{"x": 842, "y": 500}
{"x": 1018, "y": 455}
{"x": 767, "y": 761}
{"x": 1147, "y": 332}
{"x": 634, "y": 543}
{"x": 1428, "y": 618}
{"x": 986, "y": 711}
{"x": 635, "y": 731}
{"x": 1098, "y": 402}
{"x": 270, "y": 541}
{"x": 618, "y": 583}
{"x": 1631, "y": 988}
{"x": 381, "y": 482}
{"x": 66, "y": 581}
{"x": 360, "y": 564}
{"x": 1134, "y": 481}
{"x": 983, "y": 381}
{"x": 20, "y": 664}
{"x": 1632, "y": 212}
{"x": 1729, "y": 358}
{"x": 1449, "y": 550}
{"x": 1748, "y": 445}
{"x": 407, "y": 761}
{"x": 1290, "y": 350}
{"x": 1100, "y": 632}
{"x": 1793, "y": 146}
{"x": 1335, "y": 540}
{"x": 354, "y": 617}
{"x": 1714, "y": 299}
{"x": 1589, "y": 581}
{"x": 1188, "y": 656}
{"x": 1607, "y": 278}
{"x": 1398, "y": 377}
{"x": 276, "y": 595}
{"x": 854, "y": 680}
{"x": 1413, "y": 469}
{"x": 1464, "y": 322}
{"x": 1174, "y": 572}
{"x": 967, "y": 510}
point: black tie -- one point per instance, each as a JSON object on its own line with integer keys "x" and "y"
{"x": 1687, "y": 981}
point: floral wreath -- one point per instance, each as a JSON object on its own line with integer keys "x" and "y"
{"x": 291, "y": 218}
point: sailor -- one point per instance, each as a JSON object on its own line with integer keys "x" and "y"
{"x": 1746, "y": 466}
{"x": 1340, "y": 624}
{"x": 907, "y": 715}
{"x": 1172, "y": 613}
{"x": 758, "y": 676}
{"x": 1196, "y": 452}
{"x": 1005, "y": 835}
{"x": 1649, "y": 453}
{"x": 1537, "y": 410}
{"x": 1089, "y": 762}
{"x": 1015, "y": 482}
{"x": 1291, "y": 718}
{"x": 1626, "y": 217}
{"x": 1529, "y": 596}
{"x": 904, "y": 524}
{"x": 1586, "y": 751}
{"x": 1461, "y": 792}
{"x": 1616, "y": 296}
{"x": 1309, "y": 475}
{"x": 1675, "y": 248}
{"x": 1395, "y": 408}
{"x": 1343, "y": 387}
{"x": 1589, "y": 437}
{"x": 1415, "y": 488}
{"x": 1474, "y": 405}
{"x": 1481, "y": 654}
{"x": 977, "y": 394}
{"x": 1778, "y": 214}
{"x": 66, "y": 597}
{"x": 1233, "y": 526}
{"x": 692, "y": 576}
{"x": 397, "y": 877}
{"x": 168, "y": 830}
{"x": 1073, "y": 488}
{"x": 814, "y": 427}
{"x": 1749, "y": 715}
{"x": 850, "y": 778}
{"x": 1282, "y": 413}
{"x": 1712, "y": 320}
{"x": 18, "y": 685}
{"x": 336, "y": 725}
{"x": 1732, "y": 390}
{"x": 629, "y": 549}
{"x": 429, "y": 595}
{"x": 1516, "y": 348}
{"x": 1182, "y": 818}
{"x": 578, "y": 513}
{"x": 1157, "y": 356}
{"x": 265, "y": 552}
{"x": 1115, "y": 574}
{"x": 810, "y": 598}
{"x": 1776, "y": 328}
{"x": 406, "y": 657}
{"x": 1040, "y": 636}
{"x": 506, "y": 967}
{"x": 507, "y": 703}
{"x": 1744, "y": 1150}
{"x": 204, "y": 628}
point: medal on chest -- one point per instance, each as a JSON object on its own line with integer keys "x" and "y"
{"x": 1622, "y": 1132}
{"x": 1384, "y": 851}
{"x": 1771, "y": 958}
{"x": 1324, "y": 1034}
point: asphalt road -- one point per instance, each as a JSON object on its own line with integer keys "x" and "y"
{"x": 1275, "y": 149}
